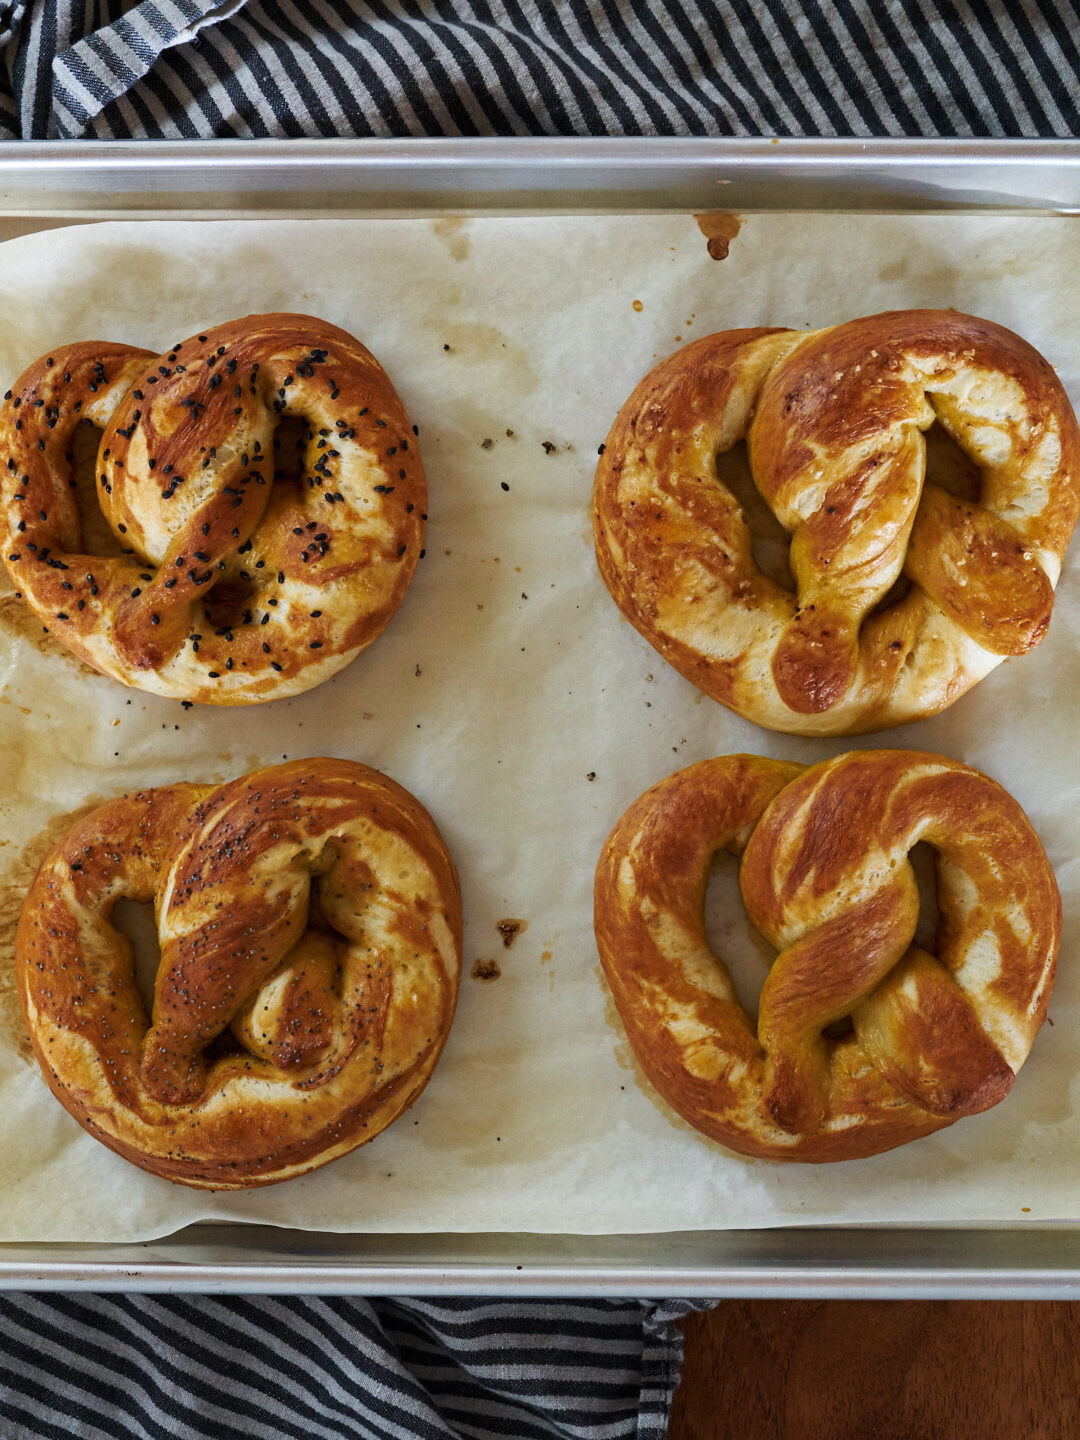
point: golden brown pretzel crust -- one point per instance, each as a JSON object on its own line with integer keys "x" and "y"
{"x": 310, "y": 924}
{"x": 235, "y": 588}
{"x": 833, "y": 421}
{"x": 825, "y": 877}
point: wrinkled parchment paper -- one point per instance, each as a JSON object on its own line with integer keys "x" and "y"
{"x": 511, "y": 698}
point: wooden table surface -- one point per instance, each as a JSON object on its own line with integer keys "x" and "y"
{"x": 868, "y": 1370}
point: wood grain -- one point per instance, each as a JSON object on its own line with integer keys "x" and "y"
{"x": 864, "y": 1370}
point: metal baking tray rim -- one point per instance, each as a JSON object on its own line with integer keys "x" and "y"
{"x": 526, "y": 175}
{"x": 107, "y": 179}
{"x": 859, "y": 1262}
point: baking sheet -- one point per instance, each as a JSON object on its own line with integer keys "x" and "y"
{"x": 510, "y": 697}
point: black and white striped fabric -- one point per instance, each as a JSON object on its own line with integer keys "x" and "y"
{"x": 171, "y": 69}
{"x": 137, "y": 1367}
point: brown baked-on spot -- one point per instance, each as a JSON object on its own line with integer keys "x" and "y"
{"x": 719, "y": 228}
{"x": 486, "y": 970}
{"x": 510, "y": 930}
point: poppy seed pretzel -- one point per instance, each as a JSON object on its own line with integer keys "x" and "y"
{"x": 234, "y": 587}
{"x": 833, "y": 421}
{"x": 310, "y": 925}
{"x": 825, "y": 876}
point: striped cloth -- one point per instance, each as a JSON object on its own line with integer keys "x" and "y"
{"x": 172, "y": 1366}
{"x": 138, "y": 1367}
{"x": 171, "y": 69}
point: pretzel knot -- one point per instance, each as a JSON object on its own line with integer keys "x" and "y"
{"x": 237, "y": 580}
{"x": 864, "y": 1040}
{"x": 310, "y": 926}
{"x": 833, "y": 421}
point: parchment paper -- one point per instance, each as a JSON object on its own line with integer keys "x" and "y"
{"x": 511, "y": 698}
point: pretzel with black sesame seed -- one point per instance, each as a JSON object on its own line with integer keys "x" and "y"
{"x": 237, "y": 583}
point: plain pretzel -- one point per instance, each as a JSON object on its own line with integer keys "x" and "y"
{"x": 833, "y": 421}
{"x": 863, "y": 1039}
{"x": 309, "y": 917}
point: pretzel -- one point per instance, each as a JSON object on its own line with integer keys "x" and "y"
{"x": 833, "y": 421}
{"x": 864, "y": 1040}
{"x": 310, "y": 926}
{"x": 233, "y": 586}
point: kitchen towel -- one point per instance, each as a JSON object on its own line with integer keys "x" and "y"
{"x": 182, "y": 69}
{"x": 191, "y": 1367}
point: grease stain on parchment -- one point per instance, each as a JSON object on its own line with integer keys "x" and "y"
{"x": 628, "y": 1061}
{"x": 477, "y": 341}
{"x": 14, "y": 883}
{"x": 452, "y": 231}
{"x": 485, "y": 970}
{"x": 19, "y": 622}
{"x": 719, "y": 228}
